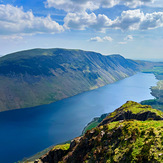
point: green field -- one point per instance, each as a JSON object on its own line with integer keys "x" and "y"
{"x": 157, "y": 71}
{"x": 154, "y": 103}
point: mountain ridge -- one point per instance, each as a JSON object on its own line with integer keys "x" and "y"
{"x": 42, "y": 76}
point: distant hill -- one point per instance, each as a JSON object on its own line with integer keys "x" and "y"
{"x": 41, "y": 76}
{"x": 132, "y": 133}
{"x": 156, "y": 91}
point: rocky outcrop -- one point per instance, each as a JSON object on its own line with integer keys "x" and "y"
{"x": 59, "y": 152}
{"x": 53, "y": 156}
{"x": 129, "y": 111}
{"x": 132, "y": 133}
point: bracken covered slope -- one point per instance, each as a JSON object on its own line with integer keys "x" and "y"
{"x": 41, "y": 76}
{"x": 125, "y": 141}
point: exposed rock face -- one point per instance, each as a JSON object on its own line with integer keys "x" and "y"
{"x": 54, "y": 156}
{"x": 129, "y": 111}
{"x": 59, "y": 152}
{"x": 121, "y": 141}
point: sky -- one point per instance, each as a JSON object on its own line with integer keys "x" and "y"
{"x": 132, "y": 28}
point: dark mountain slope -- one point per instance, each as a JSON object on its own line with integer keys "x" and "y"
{"x": 41, "y": 76}
{"x": 40, "y": 61}
{"x": 121, "y": 141}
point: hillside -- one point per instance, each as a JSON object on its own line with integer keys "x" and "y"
{"x": 156, "y": 91}
{"x": 156, "y": 70}
{"x": 135, "y": 137}
{"x": 41, "y": 76}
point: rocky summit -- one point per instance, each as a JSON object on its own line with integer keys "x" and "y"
{"x": 132, "y": 133}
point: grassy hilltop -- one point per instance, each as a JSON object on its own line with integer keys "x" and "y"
{"x": 132, "y": 133}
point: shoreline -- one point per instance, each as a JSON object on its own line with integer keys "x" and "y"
{"x": 94, "y": 121}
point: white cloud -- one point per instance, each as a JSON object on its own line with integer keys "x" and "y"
{"x": 81, "y": 21}
{"x": 108, "y": 3}
{"x": 12, "y": 37}
{"x": 137, "y": 20}
{"x": 96, "y": 39}
{"x": 151, "y": 21}
{"x": 83, "y": 5}
{"x": 107, "y": 38}
{"x": 73, "y": 5}
{"x": 99, "y": 39}
{"x": 128, "y": 38}
{"x": 135, "y": 3}
{"x": 128, "y": 20}
{"x": 14, "y": 20}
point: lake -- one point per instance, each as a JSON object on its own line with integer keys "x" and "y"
{"x": 27, "y": 131}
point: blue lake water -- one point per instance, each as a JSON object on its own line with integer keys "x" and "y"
{"x": 25, "y": 132}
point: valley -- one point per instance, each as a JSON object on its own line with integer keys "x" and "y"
{"x": 25, "y": 132}
{"x": 41, "y": 80}
{"x": 81, "y": 81}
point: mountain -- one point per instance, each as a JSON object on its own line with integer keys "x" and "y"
{"x": 42, "y": 76}
{"x": 132, "y": 133}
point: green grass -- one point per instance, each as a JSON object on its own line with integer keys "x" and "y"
{"x": 90, "y": 126}
{"x": 94, "y": 123}
{"x": 135, "y": 108}
{"x": 157, "y": 71}
{"x": 153, "y": 103}
{"x": 62, "y": 147}
{"x": 132, "y": 141}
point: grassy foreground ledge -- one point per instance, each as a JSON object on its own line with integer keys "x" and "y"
{"x": 132, "y": 133}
